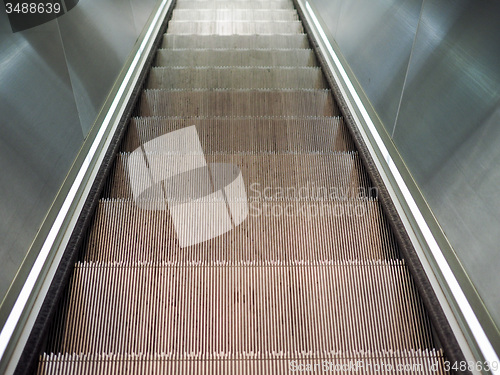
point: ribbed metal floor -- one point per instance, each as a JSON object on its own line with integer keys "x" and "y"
{"x": 311, "y": 279}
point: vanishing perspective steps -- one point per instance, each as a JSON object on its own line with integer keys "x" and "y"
{"x": 307, "y": 274}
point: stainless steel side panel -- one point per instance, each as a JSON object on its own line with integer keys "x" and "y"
{"x": 141, "y": 10}
{"x": 97, "y": 37}
{"x": 40, "y": 135}
{"x": 449, "y": 135}
{"x": 376, "y": 37}
{"x": 330, "y": 14}
{"x": 54, "y": 80}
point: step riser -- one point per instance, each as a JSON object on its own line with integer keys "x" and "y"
{"x": 421, "y": 363}
{"x": 123, "y": 232}
{"x": 234, "y": 15}
{"x": 234, "y": 28}
{"x": 338, "y": 174}
{"x": 236, "y": 78}
{"x": 235, "y": 41}
{"x": 234, "y": 5}
{"x": 240, "y": 103}
{"x": 201, "y": 2}
{"x": 220, "y": 309}
{"x": 227, "y": 57}
{"x": 246, "y": 135}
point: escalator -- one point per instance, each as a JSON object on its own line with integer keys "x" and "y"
{"x": 264, "y": 249}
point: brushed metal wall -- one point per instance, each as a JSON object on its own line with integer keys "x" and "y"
{"x": 448, "y": 131}
{"x": 54, "y": 79}
{"x": 376, "y": 38}
{"x": 106, "y": 32}
{"x": 431, "y": 70}
{"x": 37, "y": 146}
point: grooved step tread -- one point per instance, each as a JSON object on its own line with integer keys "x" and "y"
{"x": 418, "y": 362}
{"x": 236, "y": 78}
{"x": 193, "y": 103}
{"x": 236, "y": 41}
{"x": 227, "y": 4}
{"x": 122, "y": 232}
{"x": 235, "y": 57}
{"x": 339, "y": 175}
{"x": 260, "y": 308}
{"x": 233, "y": 1}
{"x": 248, "y": 134}
{"x": 238, "y": 27}
{"x": 201, "y": 2}
{"x": 234, "y": 15}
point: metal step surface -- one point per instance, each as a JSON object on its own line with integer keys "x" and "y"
{"x": 248, "y": 134}
{"x": 236, "y": 78}
{"x": 235, "y": 57}
{"x": 234, "y": 15}
{"x": 335, "y": 176}
{"x": 191, "y": 103}
{"x": 418, "y": 362}
{"x": 275, "y": 231}
{"x": 261, "y": 308}
{"x": 234, "y": 1}
{"x": 227, "y": 4}
{"x": 234, "y": 28}
{"x": 236, "y": 41}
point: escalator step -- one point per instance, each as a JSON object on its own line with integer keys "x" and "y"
{"x": 236, "y": 41}
{"x": 236, "y": 78}
{"x": 291, "y": 308}
{"x": 338, "y": 174}
{"x": 227, "y": 4}
{"x": 234, "y": 1}
{"x": 235, "y": 57}
{"x": 122, "y": 232}
{"x": 234, "y": 15}
{"x": 247, "y": 134}
{"x": 417, "y": 362}
{"x": 232, "y": 28}
{"x": 189, "y": 103}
